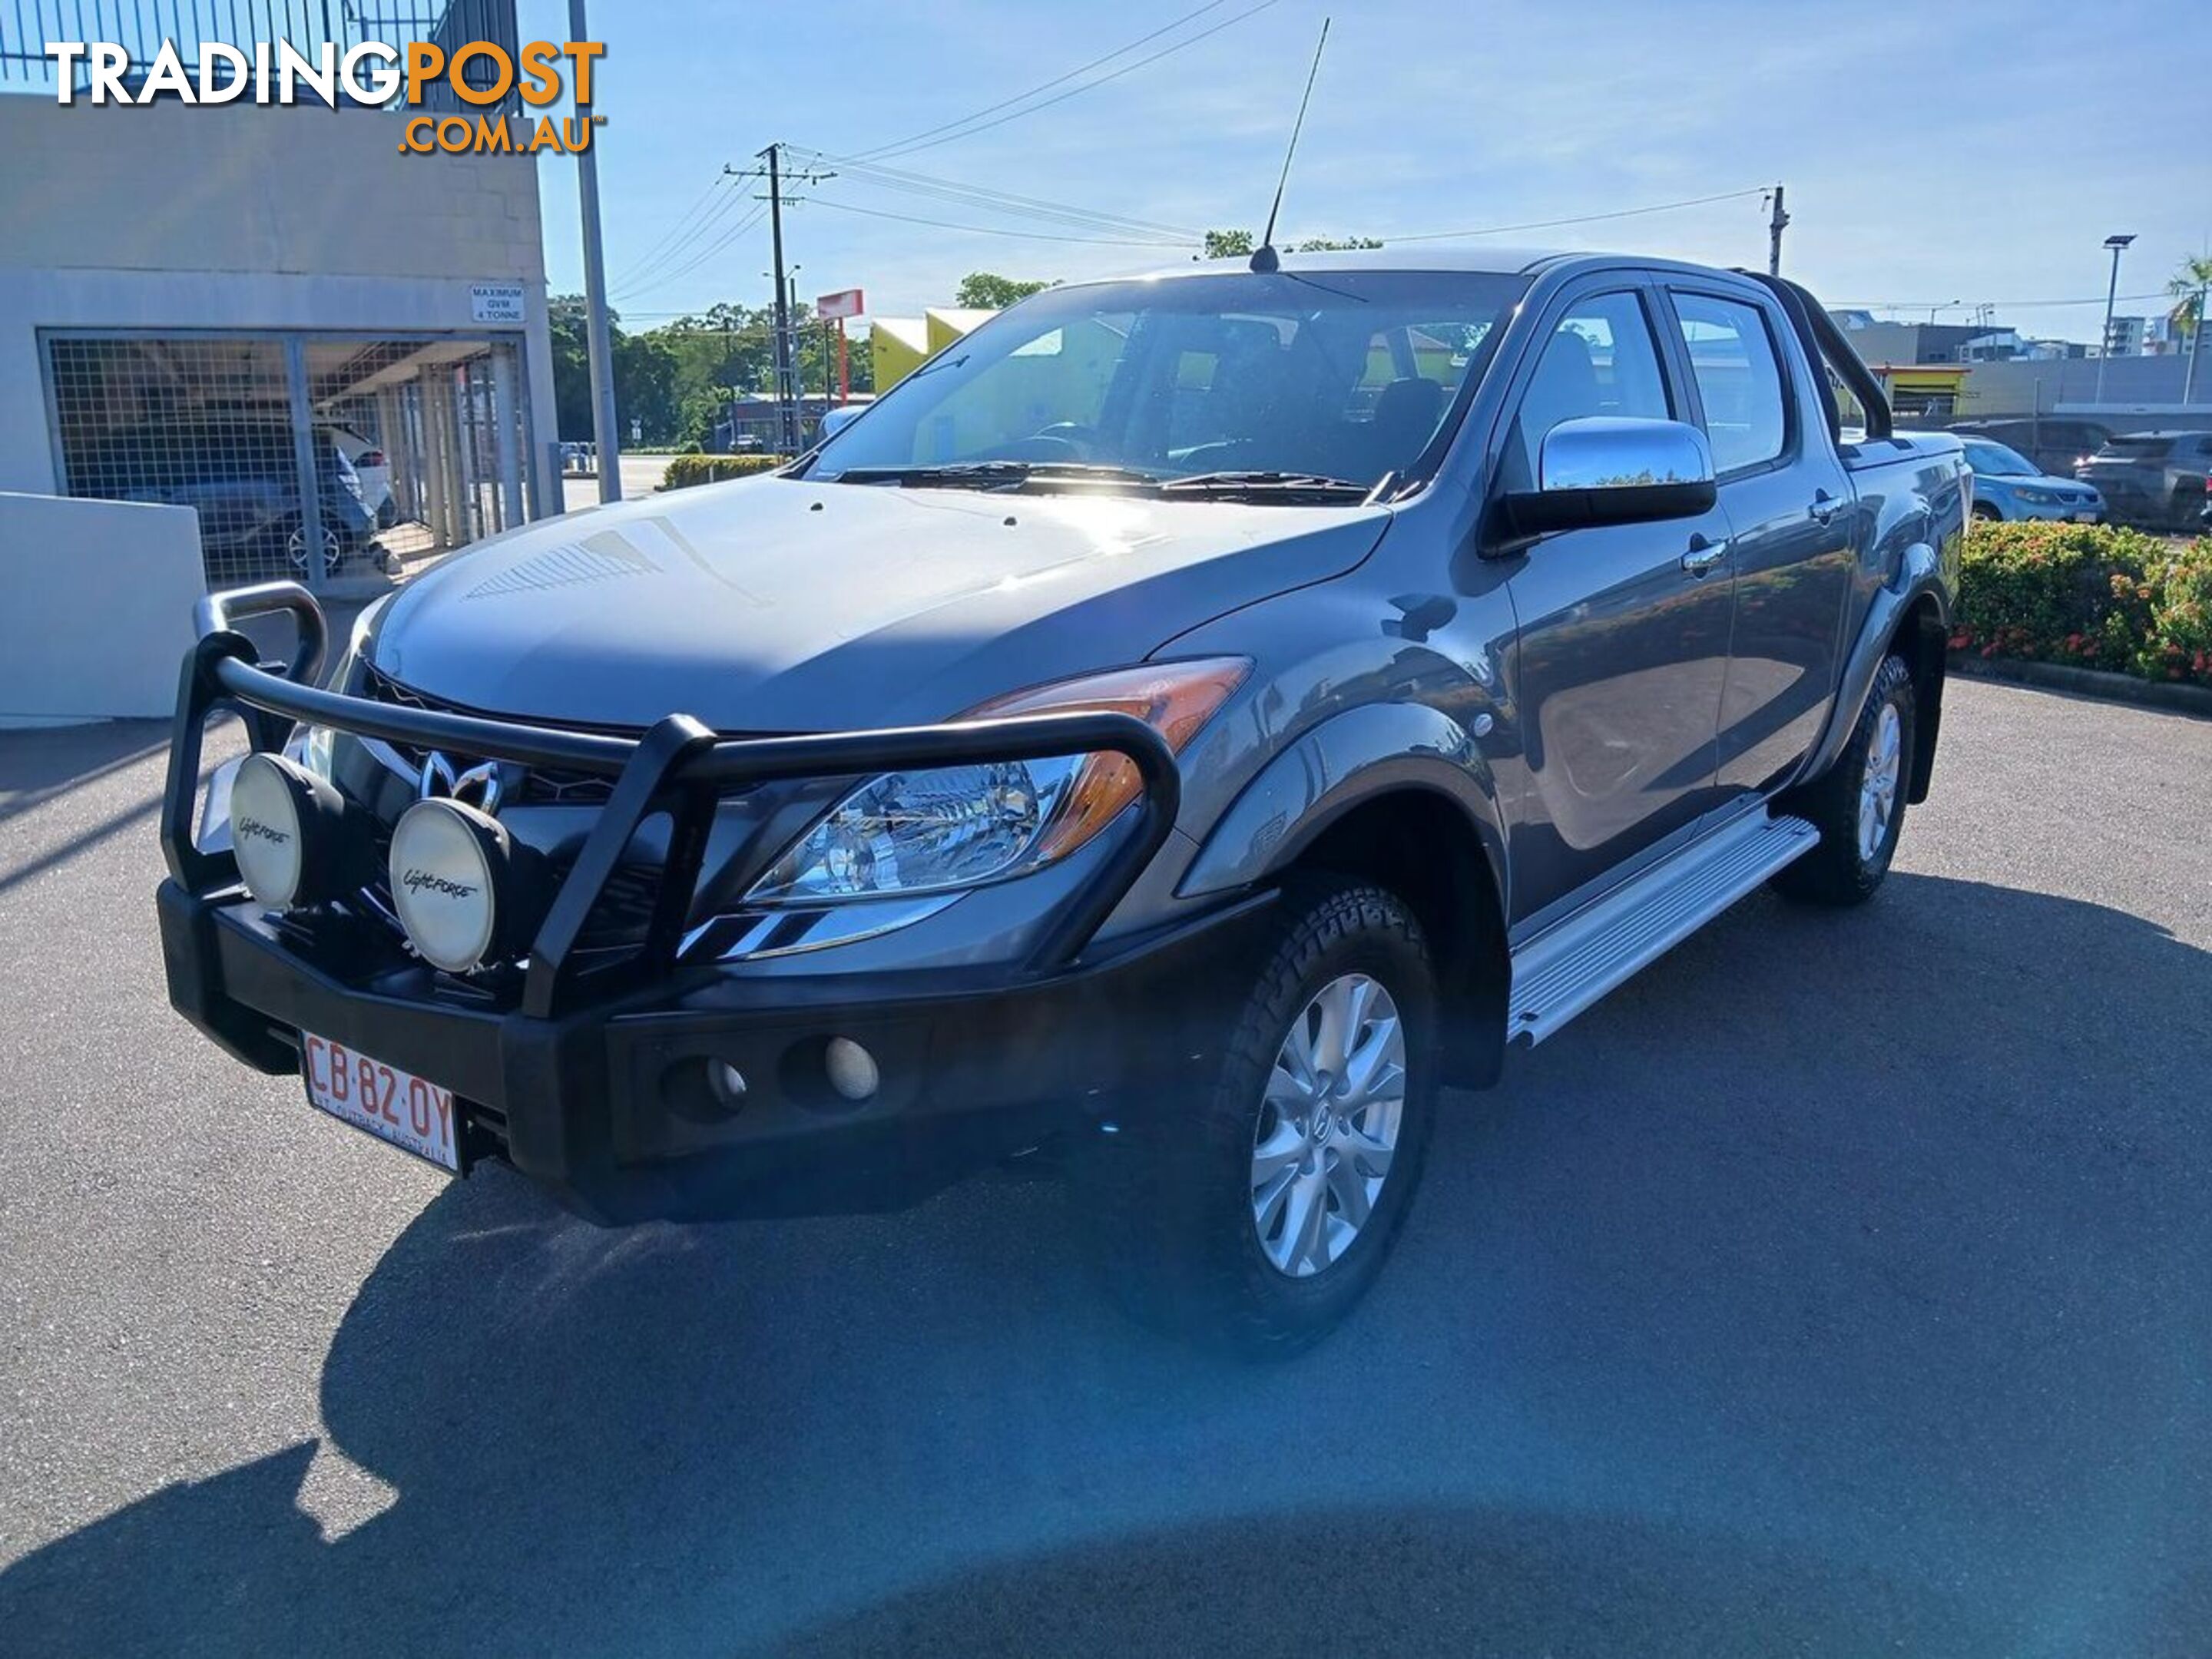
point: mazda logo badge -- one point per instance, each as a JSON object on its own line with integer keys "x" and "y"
{"x": 477, "y": 787}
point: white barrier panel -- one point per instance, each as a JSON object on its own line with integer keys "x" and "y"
{"x": 96, "y": 608}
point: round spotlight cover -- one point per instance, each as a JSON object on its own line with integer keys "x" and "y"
{"x": 445, "y": 860}
{"x": 266, "y": 828}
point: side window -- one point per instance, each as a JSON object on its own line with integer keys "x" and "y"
{"x": 1601, "y": 359}
{"x": 1738, "y": 380}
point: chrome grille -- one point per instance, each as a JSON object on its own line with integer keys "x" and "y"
{"x": 541, "y": 787}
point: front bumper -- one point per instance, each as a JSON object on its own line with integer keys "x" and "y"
{"x": 2090, "y": 512}
{"x": 614, "y": 1109}
{"x": 595, "y": 1076}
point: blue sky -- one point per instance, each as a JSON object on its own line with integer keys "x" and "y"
{"x": 1961, "y": 151}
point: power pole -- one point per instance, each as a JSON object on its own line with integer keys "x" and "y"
{"x": 598, "y": 344}
{"x": 787, "y": 438}
{"x": 1775, "y": 226}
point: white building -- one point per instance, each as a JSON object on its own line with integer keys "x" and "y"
{"x": 332, "y": 352}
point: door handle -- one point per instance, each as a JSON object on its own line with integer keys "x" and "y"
{"x": 1824, "y": 506}
{"x": 1704, "y": 555}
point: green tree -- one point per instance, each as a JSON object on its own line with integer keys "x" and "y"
{"x": 986, "y": 290}
{"x": 645, "y": 389}
{"x": 2187, "y": 286}
{"x": 1235, "y": 244}
{"x": 572, "y": 368}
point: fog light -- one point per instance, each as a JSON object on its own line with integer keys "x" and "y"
{"x": 448, "y": 859}
{"x": 729, "y": 1082}
{"x": 294, "y": 836}
{"x": 852, "y": 1069}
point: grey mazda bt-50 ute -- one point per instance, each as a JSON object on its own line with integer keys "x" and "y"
{"x": 1171, "y": 737}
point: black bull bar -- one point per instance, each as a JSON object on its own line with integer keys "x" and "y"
{"x": 678, "y": 767}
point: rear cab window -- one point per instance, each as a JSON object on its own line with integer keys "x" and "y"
{"x": 1739, "y": 378}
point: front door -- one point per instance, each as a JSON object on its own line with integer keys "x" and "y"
{"x": 1623, "y": 630}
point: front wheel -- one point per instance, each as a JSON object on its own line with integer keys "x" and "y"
{"x": 1255, "y": 1218}
{"x": 1858, "y": 804}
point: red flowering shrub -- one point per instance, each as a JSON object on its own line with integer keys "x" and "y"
{"x": 2093, "y": 595}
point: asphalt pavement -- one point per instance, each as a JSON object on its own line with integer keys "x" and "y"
{"x": 1840, "y": 1285}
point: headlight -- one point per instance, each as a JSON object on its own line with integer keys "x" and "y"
{"x": 957, "y": 827}
{"x": 314, "y": 746}
{"x": 919, "y": 832}
{"x": 316, "y": 743}
{"x": 2040, "y": 497}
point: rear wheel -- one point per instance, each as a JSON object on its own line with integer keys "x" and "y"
{"x": 296, "y": 548}
{"x": 1255, "y": 1220}
{"x": 1858, "y": 804}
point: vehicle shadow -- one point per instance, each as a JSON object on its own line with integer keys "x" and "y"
{"x": 39, "y": 764}
{"x": 1734, "y": 1323}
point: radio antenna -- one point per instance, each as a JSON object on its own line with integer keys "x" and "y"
{"x": 1264, "y": 258}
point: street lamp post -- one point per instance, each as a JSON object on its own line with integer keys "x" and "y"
{"x": 2119, "y": 246}
{"x": 597, "y": 338}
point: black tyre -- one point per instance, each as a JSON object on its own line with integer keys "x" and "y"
{"x": 292, "y": 537}
{"x": 1254, "y": 1218}
{"x": 1985, "y": 513}
{"x": 1858, "y": 804}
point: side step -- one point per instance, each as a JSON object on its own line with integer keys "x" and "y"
{"x": 1569, "y": 966}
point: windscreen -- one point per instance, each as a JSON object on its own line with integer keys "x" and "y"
{"x": 1345, "y": 375}
{"x": 1995, "y": 461}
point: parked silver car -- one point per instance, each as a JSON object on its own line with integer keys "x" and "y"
{"x": 1184, "y": 727}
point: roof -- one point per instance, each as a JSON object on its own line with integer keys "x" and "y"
{"x": 1428, "y": 257}
{"x": 1442, "y": 256}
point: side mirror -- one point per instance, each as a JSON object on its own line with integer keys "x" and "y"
{"x": 1602, "y": 468}
{"x": 834, "y": 420}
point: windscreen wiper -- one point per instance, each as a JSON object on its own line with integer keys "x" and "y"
{"x": 997, "y": 475}
{"x": 1314, "y": 486}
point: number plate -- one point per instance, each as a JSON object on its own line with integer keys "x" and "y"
{"x": 410, "y": 1112}
{"x": 2084, "y": 518}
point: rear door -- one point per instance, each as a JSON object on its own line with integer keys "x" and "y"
{"x": 1623, "y": 627}
{"x": 1789, "y": 506}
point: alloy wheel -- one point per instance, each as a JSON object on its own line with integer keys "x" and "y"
{"x": 296, "y": 549}
{"x": 1878, "y": 786}
{"x": 1329, "y": 1124}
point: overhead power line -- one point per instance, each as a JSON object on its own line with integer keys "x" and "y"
{"x": 969, "y": 132}
{"x": 663, "y": 278}
{"x": 1961, "y": 305}
{"x": 980, "y": 196}
{"x": 1047, "y": 86}
{"x": 995, "y": 230}
{"x": 1577, "y": 219}
{"x": 684, "y": 247}
{"x": 681, "y": 221}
